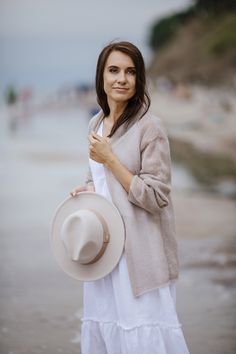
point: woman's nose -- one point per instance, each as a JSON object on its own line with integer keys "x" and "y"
{"x": 122, "y": 77}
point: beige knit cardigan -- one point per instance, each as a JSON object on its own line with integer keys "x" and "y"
{"x": 150, "y": 248}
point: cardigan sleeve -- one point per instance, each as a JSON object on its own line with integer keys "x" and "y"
{"x": 150, "y": 188}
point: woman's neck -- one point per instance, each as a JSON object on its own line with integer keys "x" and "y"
{"x": 116, "y": 109}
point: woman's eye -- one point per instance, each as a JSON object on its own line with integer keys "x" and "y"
{"x": 131, "y": 72}
{"x": 112, "y": 70}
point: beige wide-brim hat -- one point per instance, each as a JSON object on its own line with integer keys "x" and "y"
{"x": 87, "y": 236}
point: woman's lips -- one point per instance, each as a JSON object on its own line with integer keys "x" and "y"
{"x": 121, "y": 88}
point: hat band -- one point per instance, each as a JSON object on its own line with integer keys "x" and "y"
{"x": 106, "y": 238}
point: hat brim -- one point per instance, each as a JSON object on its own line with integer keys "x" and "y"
{"x": 113, "y": 252}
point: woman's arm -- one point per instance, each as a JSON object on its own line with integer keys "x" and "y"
{"x": 123, "y": 175}
{"x": 150, "y": 188}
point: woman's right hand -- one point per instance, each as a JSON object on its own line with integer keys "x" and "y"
{"x": 77, "y": 190}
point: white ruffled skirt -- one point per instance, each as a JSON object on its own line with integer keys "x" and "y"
{"x": 116, "y": 322}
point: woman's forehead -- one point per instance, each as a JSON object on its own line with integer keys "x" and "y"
{"x": 118, "y": 58}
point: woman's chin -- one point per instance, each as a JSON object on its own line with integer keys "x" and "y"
{"x": 120, "y": 98}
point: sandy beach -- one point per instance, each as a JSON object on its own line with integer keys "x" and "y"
{"x": 40, "y": 306}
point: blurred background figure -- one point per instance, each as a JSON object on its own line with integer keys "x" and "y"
{"x": 11, "y": 100}
{"x": 18, "y": 105}
{"x": 49, "y": 51}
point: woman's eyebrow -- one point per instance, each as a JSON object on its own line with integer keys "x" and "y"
{"x": 114, "y": 66}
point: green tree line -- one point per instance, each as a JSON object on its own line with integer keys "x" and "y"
{"x": 164, "y": 29}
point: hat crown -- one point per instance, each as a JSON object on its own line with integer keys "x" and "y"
{"x": 97, "y": 222}
{"x": 82, "y": 235}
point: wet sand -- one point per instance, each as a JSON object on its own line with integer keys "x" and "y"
{"x": 40, "y": 306}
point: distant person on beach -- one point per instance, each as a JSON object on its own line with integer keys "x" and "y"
{"x": 11, "y": 97}
{"x": 133, "y": 309}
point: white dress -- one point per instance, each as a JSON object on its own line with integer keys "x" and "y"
{"x": 116, "y": 322}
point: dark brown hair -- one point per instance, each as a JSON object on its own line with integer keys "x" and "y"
{"x": 140, "y": 100}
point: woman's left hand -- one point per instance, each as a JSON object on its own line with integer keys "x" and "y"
{"x": 99, "y": 149}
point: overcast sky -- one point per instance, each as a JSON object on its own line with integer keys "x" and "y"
{"x": 45, "y": 43}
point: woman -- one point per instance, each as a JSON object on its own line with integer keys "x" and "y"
{"x": 132, "y": 309}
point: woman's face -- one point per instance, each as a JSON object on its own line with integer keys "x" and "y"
{"x": 119, "y": 77}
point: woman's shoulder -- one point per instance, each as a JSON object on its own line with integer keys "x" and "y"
{"x": 152, "y": 126}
